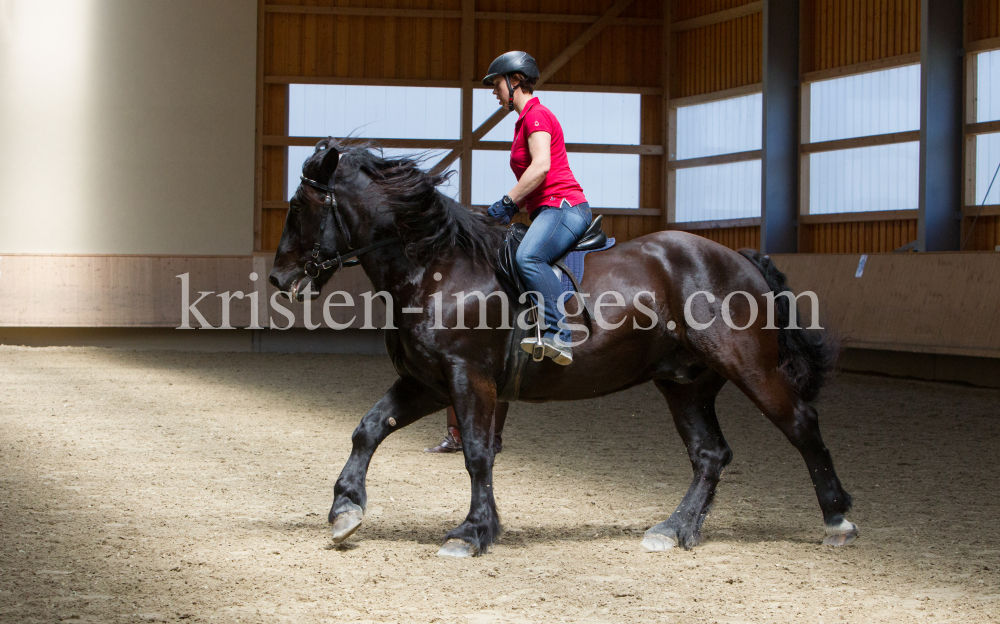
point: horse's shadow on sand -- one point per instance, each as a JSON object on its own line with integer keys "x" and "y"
{"x": 431, "y": 533}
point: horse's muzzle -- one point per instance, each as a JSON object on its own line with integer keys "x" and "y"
{"x": 293, "y": 290}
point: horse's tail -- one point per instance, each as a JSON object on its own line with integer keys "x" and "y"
{"x": 807, "y": 355}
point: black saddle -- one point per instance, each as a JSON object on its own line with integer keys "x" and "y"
{"x": 593, "y": 238}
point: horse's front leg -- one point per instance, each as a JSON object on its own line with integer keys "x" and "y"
{"x": 407, "y": 401}
{"x": 475, "y": 397}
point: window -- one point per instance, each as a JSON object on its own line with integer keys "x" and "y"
{"x": 885, "y": 177}
{"x": 374, "y": 112}
{"x": 987, "y": 109}
{"x": 721, "y": 127}
{"x": 714, "y": 192}
{"x": 708, "y": 192}
{"x": 608, "y": 180}
{"x": 585, "y": 117}
{"x": 863, "y": 179}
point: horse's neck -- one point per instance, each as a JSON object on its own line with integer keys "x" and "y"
{"x": 390, "y": 271}
{"x": 408, "y": 284}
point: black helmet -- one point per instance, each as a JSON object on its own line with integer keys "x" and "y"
{"x": 509, "y": 63}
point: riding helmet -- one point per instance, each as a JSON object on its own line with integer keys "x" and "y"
{"x": 509, "y": 63}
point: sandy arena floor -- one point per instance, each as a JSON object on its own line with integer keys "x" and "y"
{"x": 191, "y": 487}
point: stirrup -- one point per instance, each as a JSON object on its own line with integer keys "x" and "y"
{"x": 560, "y": 355}
{"x": 535, "y": 348}
{"x": 538, "y": 351}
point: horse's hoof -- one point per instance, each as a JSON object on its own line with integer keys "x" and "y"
{"x": 346, "y": 523}
{"x": 654, "y": 541}
{"x": 458, "y": 548}
{"x": 841, "y": 535}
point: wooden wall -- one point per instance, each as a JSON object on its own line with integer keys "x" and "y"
{"x": 927, "y": 302}
{"x": 718, "y": 56}
{"x": 733, "y": 237}
{"x": 902, "y": 302}
{"x": 985, "y": 234}
{"x": 857, "y": 237}
{"x": 144, "y": 291}
{"x": 618, "y": 56}
{"x": 848, "y": 32}
{"x": 982, "y": 19}
{"x": 414, "y": 49}
{"x": 118, "y": 291}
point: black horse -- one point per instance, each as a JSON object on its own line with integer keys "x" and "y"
{"x": 415, "y": 242}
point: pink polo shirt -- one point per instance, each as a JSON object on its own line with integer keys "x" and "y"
{"x": 559, "y": 184}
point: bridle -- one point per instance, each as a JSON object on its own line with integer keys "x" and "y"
{"x": 339, "y": 261}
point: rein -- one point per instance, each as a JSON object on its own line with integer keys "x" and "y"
{"x": 339, "y": 261}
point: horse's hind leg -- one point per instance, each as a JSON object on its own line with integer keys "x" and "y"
{"x": 406, "y": 402}
{"x": 693, "y": 409}
{"x": 798, "y": 420}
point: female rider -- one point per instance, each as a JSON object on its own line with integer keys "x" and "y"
{"x": 546, "y": 188}
{"x": 555, "y": 203}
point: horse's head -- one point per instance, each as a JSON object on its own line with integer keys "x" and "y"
{"x": 315, "y": 231}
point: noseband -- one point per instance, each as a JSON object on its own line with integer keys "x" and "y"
{"x": 339, "y": 261}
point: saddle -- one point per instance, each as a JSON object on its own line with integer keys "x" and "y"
{"x": 594, "y": 238}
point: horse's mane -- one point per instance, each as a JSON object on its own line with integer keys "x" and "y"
{"x": 433, "y": 227}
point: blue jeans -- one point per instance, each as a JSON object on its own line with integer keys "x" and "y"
{"x": 551, "y": 235}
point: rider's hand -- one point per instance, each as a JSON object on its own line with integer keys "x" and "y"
{"x": 502, "y": 211}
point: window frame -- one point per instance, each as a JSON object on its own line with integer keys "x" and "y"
{"x": 465, "y": 145}
{"x": 674, "y": 164}
{"x": 973, "y": 129}
{"x": 628, "y": 149}
{"x": 808, "y": 147}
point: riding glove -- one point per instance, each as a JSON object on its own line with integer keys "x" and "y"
{"x": 503, "y": 211}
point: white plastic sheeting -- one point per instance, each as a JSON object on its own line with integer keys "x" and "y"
{"x": 987, "y": 161}
{"x": 585, "y": 117}
{"x": 870, "y": 178}
{"x": 885, "y": 177}
{"x": 374, "y": 112}
{"x": 988, "y": 86}
{"x": 715, "y": 192}
{"x": 722, "y": 127}
{"x": 865, "y": 104}
{"x": 608, "y": 180}
{"x": 988, "y": 145}
{"x": 297, "y": 156}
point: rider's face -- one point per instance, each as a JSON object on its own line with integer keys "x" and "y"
{"x": 500, "y": 90}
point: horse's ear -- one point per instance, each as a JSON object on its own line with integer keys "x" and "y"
{"x": 328, "y": 161}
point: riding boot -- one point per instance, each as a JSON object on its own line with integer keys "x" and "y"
{"x": 452, "y": 443}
